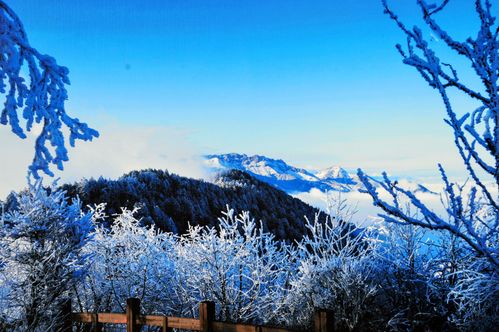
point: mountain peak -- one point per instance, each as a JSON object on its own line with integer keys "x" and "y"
{"x": 333, "y": 172}
{"x": 281, "y": 175}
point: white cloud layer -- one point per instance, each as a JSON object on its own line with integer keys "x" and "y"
{"x": 120, "y": 148}
{"x": 363, "y": 203}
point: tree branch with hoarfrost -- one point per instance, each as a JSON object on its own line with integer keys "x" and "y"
{"x": 472, "y": 211}
{"x": 39, "y": 98}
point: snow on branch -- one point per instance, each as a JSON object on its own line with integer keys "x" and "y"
{"x": 475, "y": 224}
{"x": 482, "y": 54}
{"x": 40, "y": 98}
{"x": 472, "y": 216}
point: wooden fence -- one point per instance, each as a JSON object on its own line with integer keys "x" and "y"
{"x": 323, "y": 320}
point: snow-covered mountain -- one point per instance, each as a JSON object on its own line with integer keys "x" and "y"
{"x": 335, "y": 172}
{"x": 284, "y": 176}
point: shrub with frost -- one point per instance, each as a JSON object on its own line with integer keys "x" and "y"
{"x": 239, "y": 266}
{"x": 334, "y": 272}
{"x": 42, "y": 257}
{"x": 128, "y": 260}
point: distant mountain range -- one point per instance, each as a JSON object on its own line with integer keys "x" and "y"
{"x": 281, "y": 175}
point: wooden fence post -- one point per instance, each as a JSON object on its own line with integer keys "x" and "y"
{"x": 206, "y": 315}
{"x": 165, "y": 327}
{"x": 98, "y": 327}
{"x": 323, "y": 321}
{"x": 67, "y": 323}
{"x": 94, "y": 326}
{"x": 132, "y": 313}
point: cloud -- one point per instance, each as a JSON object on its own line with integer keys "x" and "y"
{"x": 363, "y": 203}
{"x": 120, "y": 148}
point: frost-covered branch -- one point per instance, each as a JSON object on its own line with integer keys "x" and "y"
{"x": 39, "y": 98}
{"x": 472, "y": 216}
{"x": 479, "y": 233}
{"x": 482, "y": 55}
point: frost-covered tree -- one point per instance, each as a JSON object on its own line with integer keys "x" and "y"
{"x": 34, "y": 85}
{"x": 386, "y": 277}
{"x": 476, "y": 133}
{"x": 239, "y": 266}
{"x": 251, "y": 277}
{"x": 334, "y": 271}
{"x": 409, "y": 297}
{"x": 128, "y": 260}
{"x": 41, "y": 258}
{"x": 472, "y": 218}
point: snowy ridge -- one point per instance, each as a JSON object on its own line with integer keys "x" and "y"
{"x": 334, "y": 172}
{"x": 284, "y": 176}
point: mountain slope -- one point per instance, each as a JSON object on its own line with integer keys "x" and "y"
{"x": 283, "y": 176}
{"x": 171, "y": 202}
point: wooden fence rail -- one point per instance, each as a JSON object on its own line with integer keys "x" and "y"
{"x": 323, "y": 320}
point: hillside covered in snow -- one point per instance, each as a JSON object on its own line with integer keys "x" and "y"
{"x": 284, "y": 176}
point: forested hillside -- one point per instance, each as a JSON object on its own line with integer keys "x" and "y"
{"x": 171, "y": 202}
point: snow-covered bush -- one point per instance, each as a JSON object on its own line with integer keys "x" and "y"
{"x": 385, "y": 277}
{"x": 250, "y": 276}
{"x": 475, "y": 294}
{"x": 334, "y": 272}
{"x": 472, "y": 280}
{"x": 41, "y": 257}
{"x": 404, "y": 269}
{"x": 239, "y": 266}
{"x": 128, "y": 260}
{"x": 382, "y": 277}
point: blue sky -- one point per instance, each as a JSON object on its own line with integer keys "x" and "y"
{"x": 316, "y": 83}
